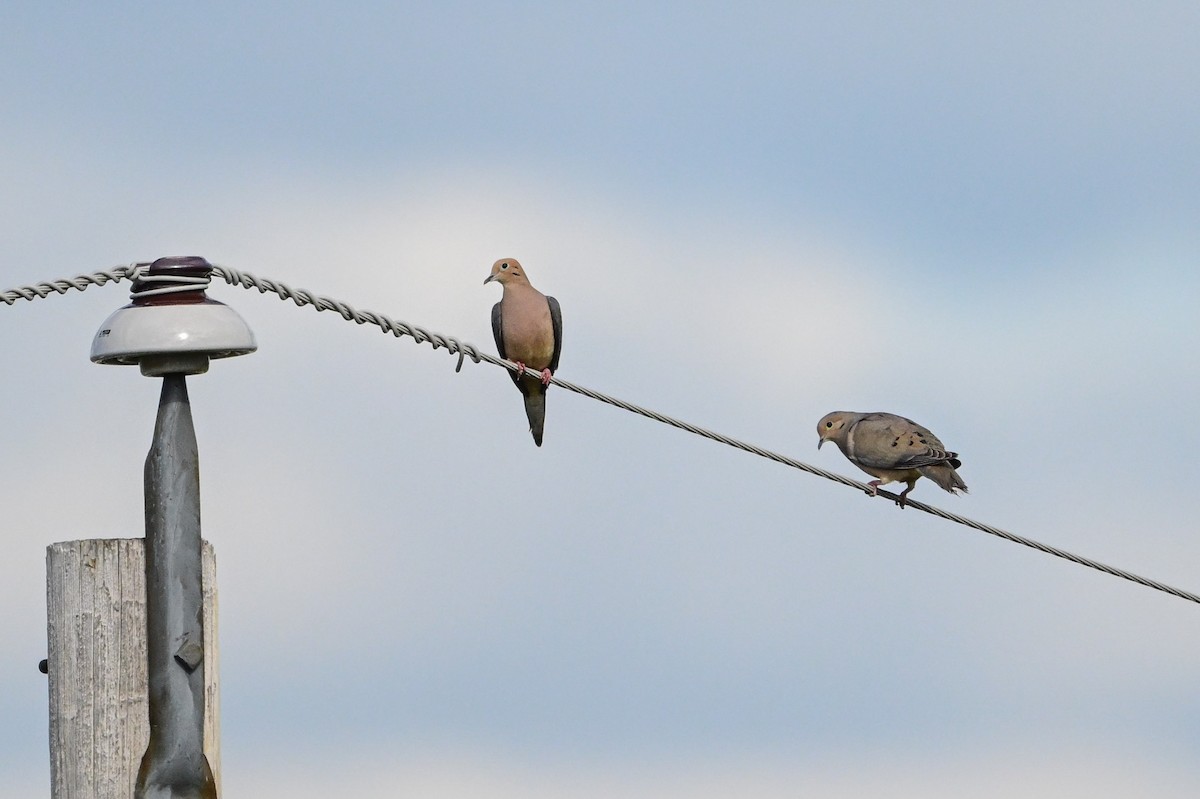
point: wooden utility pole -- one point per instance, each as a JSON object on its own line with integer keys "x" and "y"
{"x": 99, "y": 707}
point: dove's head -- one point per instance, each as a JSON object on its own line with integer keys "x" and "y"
{"x": 832, "y": 426}
{"x": 507, "y": 270}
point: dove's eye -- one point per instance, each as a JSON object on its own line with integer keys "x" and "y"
{"x": 504, "y": 266}
{"x": 828, "y": 424}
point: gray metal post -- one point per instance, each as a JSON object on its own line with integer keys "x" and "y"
{"x": 174, "y": 766}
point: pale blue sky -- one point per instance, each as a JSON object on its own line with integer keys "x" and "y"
{"x": 751, "y": 214}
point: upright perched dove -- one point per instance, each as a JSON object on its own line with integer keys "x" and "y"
{"x": 528, "y": 329}
{"x": 892, "y": 448}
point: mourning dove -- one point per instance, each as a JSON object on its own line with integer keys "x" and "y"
{"x": 892, "y": 448}
{"x": 528, "y": 329}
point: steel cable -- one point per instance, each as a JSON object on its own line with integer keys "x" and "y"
{"x": 397, "y": 328}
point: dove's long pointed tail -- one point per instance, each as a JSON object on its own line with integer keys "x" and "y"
{"x": 946, "y": 477}
{"x": 535, "y": 411}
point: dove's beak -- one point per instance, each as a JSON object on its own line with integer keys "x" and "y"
{"x": 490, "y": 278}
{"x": 821, "y": 441}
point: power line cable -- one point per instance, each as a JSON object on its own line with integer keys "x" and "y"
{"x": 302, "y": 297}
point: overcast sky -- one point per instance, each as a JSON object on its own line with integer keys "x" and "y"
{"x": 752, "y": 214}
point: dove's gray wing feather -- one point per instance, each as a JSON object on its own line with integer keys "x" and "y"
{"x": 887, "y": 441}
{"x": 556, "y": 323}
{"x": 498, "y": 329}
{"x": 498, "y": 335}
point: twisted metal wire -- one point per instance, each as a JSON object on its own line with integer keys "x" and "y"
{"x": 174, "y": 284}
{"x": 134, "y": 272}
{"x": 302, "y": 297}
{"x": 80, "y": 282}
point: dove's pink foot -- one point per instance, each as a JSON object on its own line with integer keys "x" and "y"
{"x": 520, "y": 368}
{"x": 874, "y": 484}
{"x": 546, "y": 375}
